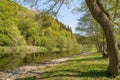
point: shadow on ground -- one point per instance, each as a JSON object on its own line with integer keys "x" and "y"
{"x": 67, "y": 73}
{"x": 86, "y": 59}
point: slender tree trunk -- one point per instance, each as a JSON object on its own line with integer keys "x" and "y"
{"x": 103, "y": 18}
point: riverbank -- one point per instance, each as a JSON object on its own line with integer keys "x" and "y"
{"x": 33, "y": 70}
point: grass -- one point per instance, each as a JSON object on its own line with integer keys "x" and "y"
{"x": 90, "y": 67}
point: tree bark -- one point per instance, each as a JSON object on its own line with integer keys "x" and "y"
{"x": 103, "y": 18}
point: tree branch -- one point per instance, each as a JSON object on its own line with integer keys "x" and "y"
{"x": 102, "y": 8}
{"x": 60, "y": 6}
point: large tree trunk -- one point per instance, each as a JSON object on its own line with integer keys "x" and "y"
{"x": 103, "y": 18}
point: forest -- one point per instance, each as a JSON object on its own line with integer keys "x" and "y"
{"x": 35, "y": 45}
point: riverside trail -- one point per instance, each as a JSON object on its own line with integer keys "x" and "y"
{"x": 33, "y": 70}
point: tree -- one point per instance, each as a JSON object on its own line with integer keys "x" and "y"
{"x": 90, "y": 28}
{"x": 103, "y": 18}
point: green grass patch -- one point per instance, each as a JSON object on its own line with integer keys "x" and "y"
{"x": 79, "y": 68}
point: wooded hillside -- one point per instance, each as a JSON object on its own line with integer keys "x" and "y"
{"x": 20, "y": 26}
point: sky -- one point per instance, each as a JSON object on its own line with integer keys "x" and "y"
{"x": 66, "y": 15}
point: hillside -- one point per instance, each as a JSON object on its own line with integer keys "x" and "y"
{"x": 20, "y": 26}
{"x": 28, "y": 36}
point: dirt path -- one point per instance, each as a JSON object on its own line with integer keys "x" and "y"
{"x": 32, "y": 70}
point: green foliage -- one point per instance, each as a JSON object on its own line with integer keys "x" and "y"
{"x": 10, "y": 35}
{"x": 8, "y": 61}
{"x": 4, "y": 40}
